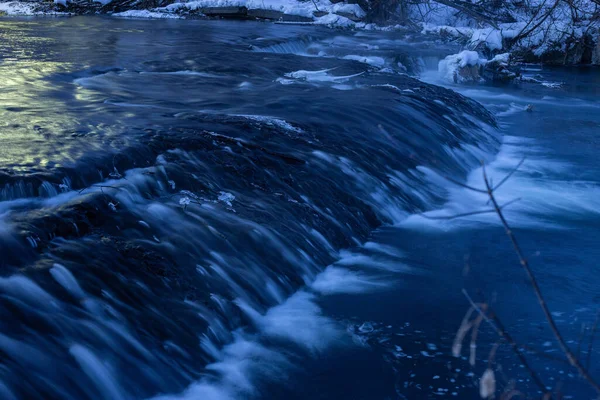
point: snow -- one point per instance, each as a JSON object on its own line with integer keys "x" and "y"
{"x": 17, "y": 8}
{"x": 144, "y": 14}
{"x": 289, "y": 7}
{"x": 503, "y": 58}
{"x": 298, "y": 8}
{"x": 492, "y": 38}
{"x": 543, "y": 33}
{"x": 354, "y": 9}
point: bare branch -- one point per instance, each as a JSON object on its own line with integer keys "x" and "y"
{"x": 538, "y": 292}
{"x": 471, "y": 188}
{"x": 592, "y": 335}
{"x": 489, "y": 211}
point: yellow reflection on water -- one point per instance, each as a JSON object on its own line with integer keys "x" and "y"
{"x": 32, "y": 116}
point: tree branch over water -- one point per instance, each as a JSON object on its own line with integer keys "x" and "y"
{"x": 572, "y": 359}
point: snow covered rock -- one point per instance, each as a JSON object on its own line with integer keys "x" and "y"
{"x": 498, "y": 69}
{"x": 464, "y": 67}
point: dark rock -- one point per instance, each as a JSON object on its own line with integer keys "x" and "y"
{"x": 266, "y": 14}
{"x": 468, "y": 74}
{"x": 596, "y": 52}
{"x": 225, "y": 12}
{"x": 350, "y": 16}
{"x": 277, "y": 16}
{"x": 498, "y": 70}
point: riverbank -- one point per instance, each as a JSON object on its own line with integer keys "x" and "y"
{"x": 543, "y": 33}
{"x": 554, "y": 34}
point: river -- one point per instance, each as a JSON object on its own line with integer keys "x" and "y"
{"x": 225, "y": 209}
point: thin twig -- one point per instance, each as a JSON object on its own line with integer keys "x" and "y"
{"x": 507, "y": 177}
{"x": 99, "y": 186}
{"x": 489, "y": 211}
{"x": 464, "y": 185}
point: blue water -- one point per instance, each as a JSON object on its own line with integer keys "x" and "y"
{"x": 220, "y": 210}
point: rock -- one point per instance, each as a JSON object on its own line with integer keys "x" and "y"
{"x": 319, "y": 14}
{"x": 350, "y": 16}
{"x": 295, "y": 18}
{"x": 575, "y": 53}
{"x": 265, "y": 14}
{"x": 468, "y": 73}
{"x": 498, "y": 70}
{"x": 596, "y": 52}
{"x": 277, "y": 16}
{"x": 226, "y": 12}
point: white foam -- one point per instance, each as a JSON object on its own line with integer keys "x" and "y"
{"x": 234, "y": 369}
{"x": 370, "y": 60}
{"x": 98, "y": 372}
{"x": 384, "y": 249}
{"x": 66, "y": 279}
{"x": 544, "y": 195}
{"x": 349, "y": 258}
{"x": 277, "y": 122}
{"x": 337, "y": 280}
{"x": 298, "y": 320}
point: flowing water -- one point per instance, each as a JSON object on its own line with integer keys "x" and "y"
{"x": 220, "y": 210}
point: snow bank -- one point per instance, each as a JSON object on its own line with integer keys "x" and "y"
{"x": 17, "y": 8}
{"x": 289, "y": 7}
{"x": 541, "y": 27}
{"x": 145, "y": 14}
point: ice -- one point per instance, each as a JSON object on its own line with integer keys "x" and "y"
{"x": 319, "y": 76}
